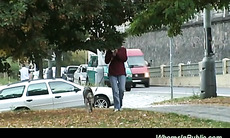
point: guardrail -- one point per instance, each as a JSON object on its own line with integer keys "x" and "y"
{"x": 189, "y": 74}
{"x": 188, "y": 70}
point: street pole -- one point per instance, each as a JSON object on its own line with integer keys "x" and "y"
{"x": 171, "y": 68}
{"x": 208, "y": 75}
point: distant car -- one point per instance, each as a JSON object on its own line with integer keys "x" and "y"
{"x": 138, "y": 66}
{"x": 69, "y": 72}
{"x": 49, "y": 94}
{"x": 80, "y": 74}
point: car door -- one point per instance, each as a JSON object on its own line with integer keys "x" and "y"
{"x": 66, "y": 94}
{"x": 38, "y": 96}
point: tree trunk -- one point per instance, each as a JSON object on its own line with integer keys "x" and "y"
{"x": 58, "y": 54}
{"x": 38, "y": 61}
{"x": 50, "y": 60}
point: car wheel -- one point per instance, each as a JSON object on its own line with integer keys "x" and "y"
{"x": 146, "y": 84}
{"x": 134, "y": 85}
{"x": 21, "y": 109}
{"x": 128, "y": 88}
{"x": 101, "y": 102}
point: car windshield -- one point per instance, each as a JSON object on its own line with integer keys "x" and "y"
{"x": 72, "y": 70}
{"x": 136, "y": 61}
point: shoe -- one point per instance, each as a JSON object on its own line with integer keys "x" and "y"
{"x": 121, "y": 109}
{"x": 115, "y": 110}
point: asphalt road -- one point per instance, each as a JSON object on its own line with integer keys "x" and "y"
{"x": 141, "y": 97}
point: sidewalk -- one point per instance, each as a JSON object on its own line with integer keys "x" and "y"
{"x": 218, "y": 113}
{"x": 143, "y": 99}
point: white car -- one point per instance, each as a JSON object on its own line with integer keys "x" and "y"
{"x": 69, "y": 72}
{"x": 49, "y": 94}
{"x": 80, "y": 74}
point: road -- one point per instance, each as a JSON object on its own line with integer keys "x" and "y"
{"x": 141, "y": 97}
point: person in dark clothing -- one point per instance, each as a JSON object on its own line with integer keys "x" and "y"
{"x": 50, "y": 73}
{"x": 117, "y": 74}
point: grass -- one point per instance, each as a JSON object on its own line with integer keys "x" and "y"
{"x": 219, "y": 100}
{"x": 103, "y": 118}
{"x": 4, "y": 81}
{"x": 106, "y": 118}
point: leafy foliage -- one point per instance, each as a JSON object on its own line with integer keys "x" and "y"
{"x": 21, "y": 24}
{"x": 62, "y": 25}
{"x": 171, "y": 14}
{"x": 30, "y": 28}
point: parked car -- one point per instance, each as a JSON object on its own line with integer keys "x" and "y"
{"x": 49, "y": 94}
{"x": 69, "y": 72}
{"x": 80, "y": 74}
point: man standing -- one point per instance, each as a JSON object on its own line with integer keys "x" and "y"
{"x": 50, "y": 73}
{"x": 117, "y": 74}
{"x": 24, "y": 73}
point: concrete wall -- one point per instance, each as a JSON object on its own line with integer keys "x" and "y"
{"x": 177, "y": 81}
{"x": 188, "y": 47}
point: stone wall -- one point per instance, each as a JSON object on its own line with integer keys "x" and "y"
{"x": 188, "y": 47}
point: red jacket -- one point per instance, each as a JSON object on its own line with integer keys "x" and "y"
{"x": 116, "y": 63}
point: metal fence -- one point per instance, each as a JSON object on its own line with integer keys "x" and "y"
{"x": 188, "y": 70}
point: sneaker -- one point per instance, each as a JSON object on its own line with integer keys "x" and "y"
{"x": 121, "y": 109}
{"x": 115, "y": 110}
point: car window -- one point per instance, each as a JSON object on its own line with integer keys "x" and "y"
{"x": 136, "y": 61}
{"x": 84, "y": 69}
{"x": 37, "y": 89}
{"x": 72, "y": 69}
{"x": 95, "y": 63}
{"x": 61, "y": 87}
{"x": 13, "y": 92}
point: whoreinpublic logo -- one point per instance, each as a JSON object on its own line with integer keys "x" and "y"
{"x": 187, "y": 136}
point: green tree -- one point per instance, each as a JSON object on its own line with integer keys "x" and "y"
{"x": 171, "y": 14}
{"x": 83, "y": 25}
{"x": 30, "y": 28}
{"x": 74, "y": 58}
